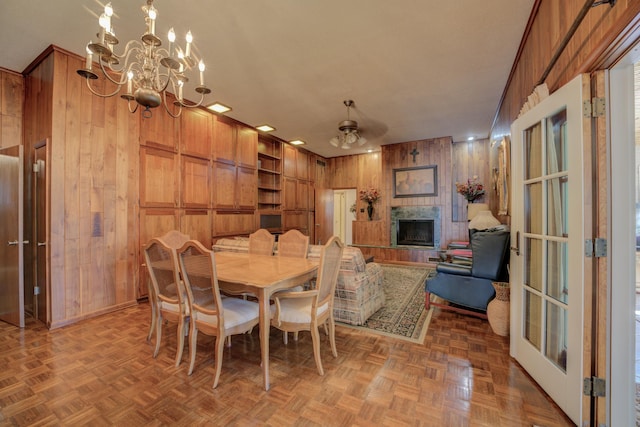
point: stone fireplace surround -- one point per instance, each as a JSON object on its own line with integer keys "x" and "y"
{"x": 415, "y": 212}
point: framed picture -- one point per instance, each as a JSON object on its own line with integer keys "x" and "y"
{"x": 415, "y": 182}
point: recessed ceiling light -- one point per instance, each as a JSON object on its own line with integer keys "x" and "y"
{"x": 470, "y": 138}
{"x": 266, "y": 128}
{"x": 297, "y": 142}
{"x": 218, "y": 107}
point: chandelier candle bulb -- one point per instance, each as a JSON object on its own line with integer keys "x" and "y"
{"x": 89, "y": 61}
{"x": 201, "y": 67}
{"x": 152, "y": 21}
{"x": 187, "y": 51}
{"x": 172, "y": 38}
{"x": 129, "y": 78}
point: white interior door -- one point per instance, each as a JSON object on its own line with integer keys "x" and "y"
{"x": 547, "y": 271}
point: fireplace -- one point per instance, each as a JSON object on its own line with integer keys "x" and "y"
{"x": 417, "y": 226}
{"x": 415, "y": 232}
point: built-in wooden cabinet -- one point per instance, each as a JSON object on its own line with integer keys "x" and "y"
{"x": 159, "y": 131}
{"x": 197, "y": 224}
{"x": 235, "y": 144}
{"x": 246, "y": 147}
{"x": 289, "y": 161}
{"x": 298, "y": 220}
{"x": 195, "y": 182}
{"x": 234, "y": 187}
{"x": 158, "y": 178}
{"x": 153, "y": 223}
{"x": 229, "y": 223}
{"x": 196, "y": 133}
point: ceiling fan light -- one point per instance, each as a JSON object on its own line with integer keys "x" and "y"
{"x": 362, "y": 141}
{"x": 335, "y": 141}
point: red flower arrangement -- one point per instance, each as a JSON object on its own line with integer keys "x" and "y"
{"x": 471, "y": 190}
{"x": 371, "y": 195}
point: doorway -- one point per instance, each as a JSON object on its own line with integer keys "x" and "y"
{"x": 344, "y": 214}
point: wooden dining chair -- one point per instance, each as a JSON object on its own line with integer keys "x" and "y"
{"x": 261, "y": 242}
{"x": 221, "y": 317}
{"x": 167, "y": 294}
{"x": 293, "y": 244}
{"x": 307, "y": 310}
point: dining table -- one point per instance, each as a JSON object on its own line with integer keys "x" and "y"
{"x": 262, "y": 275}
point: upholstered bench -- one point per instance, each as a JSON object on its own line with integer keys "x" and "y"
{"x": 359, "y": 291}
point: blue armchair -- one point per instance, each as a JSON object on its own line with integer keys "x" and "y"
{"x": 469, "y": 288}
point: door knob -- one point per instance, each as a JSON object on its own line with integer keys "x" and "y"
{"x": 12, "y": 243}
{"x": 42, "y": 243}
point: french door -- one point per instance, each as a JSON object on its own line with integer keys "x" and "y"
{"x": 549, "y": 153}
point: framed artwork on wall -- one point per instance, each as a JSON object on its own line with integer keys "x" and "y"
{"x": 419, "y": 181}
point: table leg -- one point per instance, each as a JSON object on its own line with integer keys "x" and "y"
{"x": 265, "y": 325}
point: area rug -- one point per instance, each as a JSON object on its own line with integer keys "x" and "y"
{"x": 403, "y": 315}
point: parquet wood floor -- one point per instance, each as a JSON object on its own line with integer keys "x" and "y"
{"x": 100, "y": 372}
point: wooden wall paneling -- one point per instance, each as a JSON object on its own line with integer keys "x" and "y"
{"x": 246, "y": 147}
{"x": 159, "y": 177}
{"x": 228, "y": 223}
{"x": 195, "y": 182}
{"x": 11, "y": 110}
{"x": 295, "y": 220}
{"x": 370, "y": 232}
{"x": 197, "y": 223}
{"x": 196, "y": 132}
{"x": 224, "y": 147}
{"x": 302, "y": 195}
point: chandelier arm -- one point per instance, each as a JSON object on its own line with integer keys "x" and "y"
{"x": 166, "y": 107}
{"x": 109, "y": 95}
{"x": 108, "y": 77}
{"x": 130, "y": 47}
{"x": 129, "y": 106}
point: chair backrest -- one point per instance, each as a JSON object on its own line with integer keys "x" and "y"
{"x": 328, "y": 269}
{"x": 162, "y": 264}
{"x": 198, "y": 267}
{"x": 490, "y": 254}
{"x": 293, "y": 244}
{"x": 261, "y": 242}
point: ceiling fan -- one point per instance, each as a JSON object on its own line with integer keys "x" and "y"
{"x": 349, "y": 132}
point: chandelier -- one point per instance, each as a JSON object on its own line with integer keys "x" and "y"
{"x": 145, "y": 69}
{"x": 349, "y": 133}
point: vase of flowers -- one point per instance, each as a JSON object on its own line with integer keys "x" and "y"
{"x": 371, "y": 196}
{"x": 470, "y": 190}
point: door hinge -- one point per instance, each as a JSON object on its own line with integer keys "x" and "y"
{"x": 594, "y": 386}
{"x": 596, "y": 107}
{"x": 595, "y": 248}
{"x": 36, "y": 290}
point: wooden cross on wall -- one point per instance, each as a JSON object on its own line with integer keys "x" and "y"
{"x": 414, "y": 153}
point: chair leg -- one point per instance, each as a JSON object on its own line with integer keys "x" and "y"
{"x": 285, "y": 337}
{"x": 219, "y": 352}
{"x": 315, "y": 338}
{"x": 152, "y": 325}
{"x": 427, "y": 300}
{"x": 182, "y": 328}
{"x": 158, "y": 335}
{"x": 332, "y": 337}
{"x": 193, "y": 341}
{"x": 229, "y": 341}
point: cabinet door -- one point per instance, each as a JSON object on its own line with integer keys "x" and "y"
{"x": 224, "y": 186}
{"x": 196, "y": 129}
{"x": 302, "y": 195}
{"x": 246, "y": 147}
{"x": 290, "y": 193}
{"x": 159, "y": 131}
{"x": 195, "y": 182}
{"x": 158, "y": 178}
{"x": 302, "y": 164}
{"x": 197, "y": 224}
{"x": 246, "y": 189}
{"x": 289, "y": 160}
{"x": 224, "y": 141}
{"x": 233, "y": 223}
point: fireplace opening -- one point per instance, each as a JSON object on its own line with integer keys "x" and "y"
{"x": 415, "y": 232}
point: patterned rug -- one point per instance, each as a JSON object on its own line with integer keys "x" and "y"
{"x": 403, "y": 315}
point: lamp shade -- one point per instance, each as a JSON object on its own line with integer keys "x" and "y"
{"x": 483, "y": 221}
{"x": 474, "y": 208}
